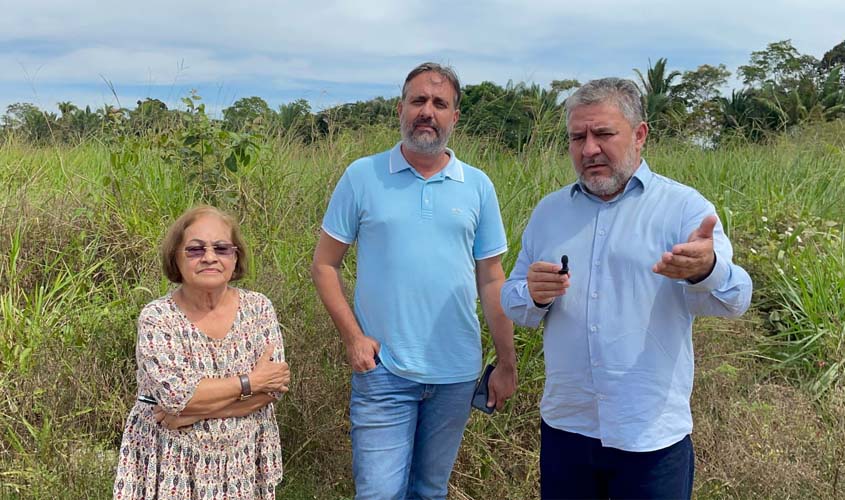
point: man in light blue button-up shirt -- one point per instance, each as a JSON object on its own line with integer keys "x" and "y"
{"x": 645, "y": 255}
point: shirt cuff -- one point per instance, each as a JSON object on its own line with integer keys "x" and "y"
{"x": 530, "y": 315}
{"x": 714, "y": 280}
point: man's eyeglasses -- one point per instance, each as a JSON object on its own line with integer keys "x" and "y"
{"x": 220, "y": 249}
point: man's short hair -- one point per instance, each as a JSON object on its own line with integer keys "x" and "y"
{"x": 623, "y": 93}
{"x": 172, "y": 242}
{"x": 446, "y": 72}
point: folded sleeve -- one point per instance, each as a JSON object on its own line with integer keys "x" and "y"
{"x": 490, "y": 238}
{"x": 166, "y": 360}
{"x": 516, "y": 299}
{"x": 727, "y": 290}
{"x": 342, "y": 215}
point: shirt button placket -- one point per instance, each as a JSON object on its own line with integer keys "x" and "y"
{"x": 593, "y": 312}
{"x": 426, "y": 205}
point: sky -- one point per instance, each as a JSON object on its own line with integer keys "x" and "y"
{"x": 330, "y": 52}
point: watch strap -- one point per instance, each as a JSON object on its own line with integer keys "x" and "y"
{"x": 246, "y": 388}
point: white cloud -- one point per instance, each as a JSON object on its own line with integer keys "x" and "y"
{"x": 288, "y": 44}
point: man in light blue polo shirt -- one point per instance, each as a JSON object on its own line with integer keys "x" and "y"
{"x": 646, "y": 255}
{"x": 430, "y": 239}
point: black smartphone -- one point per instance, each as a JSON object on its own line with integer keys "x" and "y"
{"x": 147, "y": 399}
{"x": 479, "y": 396}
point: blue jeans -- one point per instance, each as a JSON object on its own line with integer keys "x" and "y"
{"x": 576, "y": 466}
{"x": 405, "y": 435}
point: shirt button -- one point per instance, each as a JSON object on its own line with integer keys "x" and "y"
{"x": 595, "y": 363}
{"x": 594, "y": 328}
{"x": 597, "y": 263}
{"x": 601, "y": 232}
{"x": 594, "y": 295}
{"x": 600, "y": 397}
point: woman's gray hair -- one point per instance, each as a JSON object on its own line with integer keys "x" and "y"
{"x": 619, "y": 91}
{"x": 445, "y": 71}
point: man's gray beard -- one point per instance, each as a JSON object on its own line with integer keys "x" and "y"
{"x": 422, "y": 145}
{"x": 606, "y": 186}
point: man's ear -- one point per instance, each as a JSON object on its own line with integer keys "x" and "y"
{"x": 640, "y": 134}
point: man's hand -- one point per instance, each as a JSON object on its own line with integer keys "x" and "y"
{"x": 501, "y": 385}
{"x": 361, "y": 353}
{"x": 694, "y": 260}
{"x": 173, "y": 422}
{"x": 544, "y": 282}
{"x": 268, "y": 376}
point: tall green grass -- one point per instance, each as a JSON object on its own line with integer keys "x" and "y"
{"x": 80, "y": 228}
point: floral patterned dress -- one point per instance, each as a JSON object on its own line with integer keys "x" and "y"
{"x": 224, "y": 458}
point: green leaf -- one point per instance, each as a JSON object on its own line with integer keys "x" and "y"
{"x": 231, "y": 163}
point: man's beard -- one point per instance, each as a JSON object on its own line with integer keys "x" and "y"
{"x": 620, "y": 174}
{"x": 423, "y": 143}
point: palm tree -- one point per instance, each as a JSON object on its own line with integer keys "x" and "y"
{"x": 657, "y": 81}
{"x": 66, "y": 108}
{"x": 661, "y": 106}
{"x": 741, "y": 115}
{"x": 806, "y": 102}
{"x": 832, "y": 95}
{"x": 544, "y": 112}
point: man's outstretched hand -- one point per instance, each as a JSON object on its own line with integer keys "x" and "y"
{"x": 694, "y": 260}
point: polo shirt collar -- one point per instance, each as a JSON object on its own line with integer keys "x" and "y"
{"x": 642, "y": 178}
{"x": 453, "y": 170}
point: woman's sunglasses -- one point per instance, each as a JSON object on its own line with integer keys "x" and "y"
{"x": 220, "y": 249}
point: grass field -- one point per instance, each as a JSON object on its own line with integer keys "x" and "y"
{"x": 79, "y": 233}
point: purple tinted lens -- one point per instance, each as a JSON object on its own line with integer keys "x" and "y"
{"x": 226, "y": 250}
{"x": 194, "y": 252}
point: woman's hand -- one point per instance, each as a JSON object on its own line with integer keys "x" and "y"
{"x": 268, "y": 376}
{"x": 173, "y": 422}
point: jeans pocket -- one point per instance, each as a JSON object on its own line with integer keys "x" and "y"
{"x": 371, "y": 370}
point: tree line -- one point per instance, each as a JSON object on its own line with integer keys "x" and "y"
{"x": 782, "y": 88}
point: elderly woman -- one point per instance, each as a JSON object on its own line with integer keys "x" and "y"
{"x": 210, "y": 365}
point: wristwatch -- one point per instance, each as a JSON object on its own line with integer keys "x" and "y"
{"x": 246, "y": 389}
